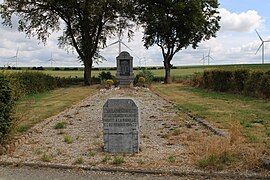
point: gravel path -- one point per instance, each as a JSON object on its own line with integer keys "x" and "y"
{"x": 163, "y": 132}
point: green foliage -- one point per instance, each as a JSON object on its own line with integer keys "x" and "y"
{"x": 243, "y": 81}
{"x": 46, "y": 158}
{"x": 79, "y": 161}
{"x": 36, "y": 82}
{"x": 68, "y": 139}
{"x": 141, "y": 80}
{"x": 60, "y": 125}
{"x": 239, "y": 78}
{"x": 265, "y": 85}
{"x": 164, "y": 21}
{"x": 7, "y": 102}
{"x": 252, "y": 84}
{"x": 109, "y": 82}
{"x": 221, "y": 80}
{"x": 103, "y": 76}
{"x": 146, "y": 74}
{"x": 217, "y": 162}
{"x": 86, "y": 35}
{"x": 118, "y": 159}
{"x": 172, "y": 159}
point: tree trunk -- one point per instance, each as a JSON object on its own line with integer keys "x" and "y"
{"x": 167, "y": 66}
{"x": 87, "y": 72}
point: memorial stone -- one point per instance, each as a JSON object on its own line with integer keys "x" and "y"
{"x": 121, "y": 126}
{"x": 124, "y": 73}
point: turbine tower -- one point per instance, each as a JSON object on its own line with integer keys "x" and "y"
{"x": 51, "y": 60}
{"x": 209, "y": 57}
{"x": 16, "y": 57}
{"x": 203, "y": 59}
{"x": 261, "y": 46}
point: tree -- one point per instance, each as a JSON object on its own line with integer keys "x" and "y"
{"x": 87, "y": 23}
{"x": 176, "y": 24}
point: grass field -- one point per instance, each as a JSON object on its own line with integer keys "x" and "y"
{"x": 181, "y": 71}
{"x": 247, "y": 121}
{"x": 35, "y": 108}
{"x": 223, "y": 109}
{"x": 159, "y": 72}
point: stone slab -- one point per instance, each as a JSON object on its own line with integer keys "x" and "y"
{"x": 121, "y": 123}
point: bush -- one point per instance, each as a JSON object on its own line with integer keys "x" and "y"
{"x": 103, "y": 76}
{"x": 35, "y": 82}
{"x": 252, "y": 83}
{"x": 221, "y": 80}
{"x": 109, "y": 82}
{"x": 15, "y": 86}
{"x": 146, "y": 74}
{"x": 239, "y": 78}
{"x": 7, "y": 98}
{"x": 265, "y": 85}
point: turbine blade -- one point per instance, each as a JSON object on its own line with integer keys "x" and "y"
{"x": 259, "y": 48}
{"x": 113, "y": 43}
{"x": 126, "y": 46}
{"x": 259, "y": 35}
{"x": 17, "y": 52}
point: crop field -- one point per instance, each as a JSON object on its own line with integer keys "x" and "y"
{"x": 181, "y": 71}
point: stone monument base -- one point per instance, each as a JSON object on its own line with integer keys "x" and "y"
{"x": 124, "y": 80}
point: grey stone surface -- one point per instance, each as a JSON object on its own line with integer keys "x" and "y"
{"x": 121, "y": 126}
{"x": 124, "y": 73}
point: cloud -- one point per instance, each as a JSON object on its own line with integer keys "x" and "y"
{"x": 243, "y": 22}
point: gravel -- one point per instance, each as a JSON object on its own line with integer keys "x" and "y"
{"x": 163, "y": 127}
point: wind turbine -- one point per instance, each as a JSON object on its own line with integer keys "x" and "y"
{"x": 209, "y": 57}
{"x": 16, "y": 57}
{"x": 121, "y": 24}
{"x": 51, "y": 60}
{"x": 261, "y": 46}
{"x": 119, "y": 43}
{"x": 203, "y": 59}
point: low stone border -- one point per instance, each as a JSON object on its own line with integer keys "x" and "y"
{"x": 138, "y": 171}
{"x": 198, "y": 119}
{"x": 207, "y": 125}
{"x": 7, "y": 148}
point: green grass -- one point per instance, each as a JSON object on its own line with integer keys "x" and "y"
{"x": 60, "y": 125}
{"x": 68, "y": 139}
{"x": 35, "y": 108}
{"x": 118, "y": 159}
{"x": 223, "y": 109}
{"x": 181, "y": 71}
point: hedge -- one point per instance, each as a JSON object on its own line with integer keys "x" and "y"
{"x": 7, "y": 99}
{"x": 16, "y": 85}
{"x": 241, "y": 81}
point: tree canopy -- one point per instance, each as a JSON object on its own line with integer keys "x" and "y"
{"x": 170, "y": 24}
{"x": 87, "y": 23}
{"x": 176, "y": 24}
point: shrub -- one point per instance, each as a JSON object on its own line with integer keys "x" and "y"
{"x": 146, "y": 74}
{"x": 252, "y": 85}
{"x": 256, "y": 83}
{"x": 221, "y": 80}
{"x": 7, "y": 100}
{"x": 240, "y": 77}
{"x": 109, "y": 82}
{"x": 265, "y": 85}
{"x": 103, "y": 76}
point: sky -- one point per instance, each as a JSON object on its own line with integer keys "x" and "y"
{"x": 236, "y": 43}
